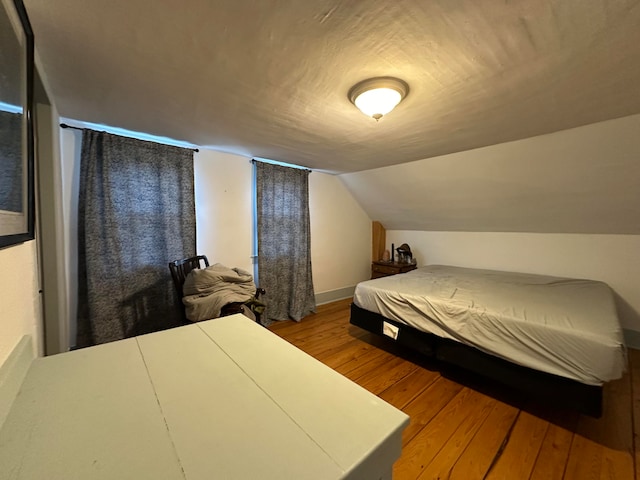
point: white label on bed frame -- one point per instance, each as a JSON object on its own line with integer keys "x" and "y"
{"x": 390, "y": 330}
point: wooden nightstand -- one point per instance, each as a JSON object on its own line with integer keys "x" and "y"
{"x": 384, "y": 269}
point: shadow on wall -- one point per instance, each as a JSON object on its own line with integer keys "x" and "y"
{"x": 629, "y": 316}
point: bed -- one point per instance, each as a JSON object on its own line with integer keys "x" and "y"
{"x": 553, "y": 338}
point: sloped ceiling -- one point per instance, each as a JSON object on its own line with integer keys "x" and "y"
{"x": 584, "y": 180}
{"x": 270, "y": 78}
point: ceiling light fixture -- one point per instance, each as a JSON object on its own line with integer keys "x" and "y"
{"x": 376, "y": 97}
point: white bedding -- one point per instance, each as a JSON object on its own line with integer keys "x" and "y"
{"x": 566, "y": 327}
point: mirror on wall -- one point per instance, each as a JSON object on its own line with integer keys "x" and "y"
{"x": 16, "y": 125}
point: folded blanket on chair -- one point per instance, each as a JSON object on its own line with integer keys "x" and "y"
{"x": 209, "y": 289}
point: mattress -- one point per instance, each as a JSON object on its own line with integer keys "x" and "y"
{"x": 563, "y": 326}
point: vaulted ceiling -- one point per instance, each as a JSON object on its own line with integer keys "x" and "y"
{"x": 270, "y": 78}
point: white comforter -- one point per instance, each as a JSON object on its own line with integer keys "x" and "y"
{"x": 209, "y": 289}
{"x": 566, "y": 327}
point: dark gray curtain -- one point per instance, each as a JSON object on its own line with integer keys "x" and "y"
{"x": 284, "y": 240}
{"x": 136, "y": 214}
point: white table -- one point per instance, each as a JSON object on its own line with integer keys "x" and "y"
{"x": 222, "y": 399}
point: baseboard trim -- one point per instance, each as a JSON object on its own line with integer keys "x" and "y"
{"x": 334, "y": 295}
{"x": 632, "y": 338}
{"x": 12, "y": 373}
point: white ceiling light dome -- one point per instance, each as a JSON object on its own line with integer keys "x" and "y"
{"x": 376, "y": 97}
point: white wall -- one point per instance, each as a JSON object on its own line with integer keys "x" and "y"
{"x": 223, "y": 189}
{"x": 340, "y": 235}
{"x": 340, "y": 229}
{"x": 70, "y": 144}
{"x": 51, "y": 233}
{"x": 19, "y": 298}
{"x": 614, "y": 259}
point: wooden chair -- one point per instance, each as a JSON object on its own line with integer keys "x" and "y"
{"x": 180, "y": 269}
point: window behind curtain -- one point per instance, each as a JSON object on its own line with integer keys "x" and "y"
{"x": 284, "y": 240}
{"x": 136, "y": 214}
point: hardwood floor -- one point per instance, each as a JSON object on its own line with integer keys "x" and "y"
{"x": 461, "y": 426}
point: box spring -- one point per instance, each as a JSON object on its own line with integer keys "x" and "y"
{"x": 540, "y": 386}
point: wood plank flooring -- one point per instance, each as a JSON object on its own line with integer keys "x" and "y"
{"x": 462, "y": 426}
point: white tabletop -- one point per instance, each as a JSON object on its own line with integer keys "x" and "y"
{"x": 223, "y": 399}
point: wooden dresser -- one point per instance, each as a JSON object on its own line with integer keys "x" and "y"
{"x": 384, "y": 269}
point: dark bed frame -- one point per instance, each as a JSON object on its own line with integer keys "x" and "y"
{"x": 537, "y": 385}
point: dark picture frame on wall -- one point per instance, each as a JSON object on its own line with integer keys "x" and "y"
{"x": 17, "y": 194}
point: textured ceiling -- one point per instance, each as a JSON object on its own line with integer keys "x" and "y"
{"x": 270, "y": 78}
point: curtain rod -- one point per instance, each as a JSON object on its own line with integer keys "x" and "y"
{"x": 64, "y": 125}
{"x": 253, "y": 160}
